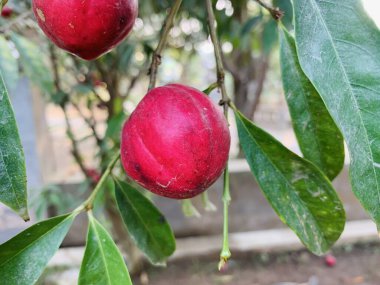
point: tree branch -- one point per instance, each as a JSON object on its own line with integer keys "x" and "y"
{"x": 218, "y": 56}
{"x": 156, "y": 60}
{"x": 276, "y": 13}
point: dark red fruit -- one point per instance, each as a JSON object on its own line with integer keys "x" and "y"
{"x": 176, "y": 142}
{"x": 86, "y": 28}
{"x": 6, "y": 12}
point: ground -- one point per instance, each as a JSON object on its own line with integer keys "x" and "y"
{"x": 358, "y": 265}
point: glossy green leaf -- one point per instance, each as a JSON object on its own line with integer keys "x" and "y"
{"x": 298, "y": 191}
{"x": 32, "y": 61}
{"x": 339, "y": 50}
{"x": 146, "y": 225}
{"x": 8, "y": 64}
{"x": 103, "y": 263}
{"x": 12, "y": 162}
{"x": 318, "y": 136}
{"x": 24, "y": 257}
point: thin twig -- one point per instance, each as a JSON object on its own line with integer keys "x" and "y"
{"x": 70, "y": 134}
{"x": 74, "y": 143}
{"x": 218, "y": 57}
{"x": 156, "y": 60}
{"x": 276, "y": 13}
{"x": 15, "y": 21}
{"x": 89, "y": 123}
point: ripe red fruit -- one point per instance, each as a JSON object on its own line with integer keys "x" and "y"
{"x": 176, "y": 142}
{"x": 6, "y": 12}
{"x": 86, "y": 28}
{"x": 330, "y": 260}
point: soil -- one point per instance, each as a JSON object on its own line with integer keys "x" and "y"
{"x": 358, "y": 265}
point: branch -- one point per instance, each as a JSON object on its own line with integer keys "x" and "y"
{"x": 156, "y": 60}
{"x": 218, "y": 57}
{"x": 70, "y": 134}
{"x": 276, "y": 13}
{"x": 225, "y": 253}
{"x": 90, "y": 124}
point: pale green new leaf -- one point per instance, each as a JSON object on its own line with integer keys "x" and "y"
{"x": 13, "y": 189}
{"x": 146, "y": 225}
{"x": 318, "y": 136}
{"x": 298, "y": 191}
{"x": 33, "y": 64}
{"x": 102, "y": 263}
{"x": 339, "y": 50}
{"x": 24, "y": 257}
{"x": 8, "y": 64}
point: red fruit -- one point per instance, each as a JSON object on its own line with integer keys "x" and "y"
{"x": 330, "y": 260}
{"x": 176, "y": 142}
{"x": 6, "y": 12}
{"x": 86, "y": 28}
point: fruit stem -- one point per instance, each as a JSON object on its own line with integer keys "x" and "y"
{"x": 207, "y": 204}
{"x": 225, "y": 102}
{"x": 88, "y": 204}
{"x": 156, "y": 59}
{"x": 225, "y": 253}
{"x": 211, "y": 88}
{"x": 189, "y": 210}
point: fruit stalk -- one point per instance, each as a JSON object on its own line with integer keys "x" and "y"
{"x": 88, "y": 204}
{"x": 225, "y": 253}
{"x": 156, "y": 60}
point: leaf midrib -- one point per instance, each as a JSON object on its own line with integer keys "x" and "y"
{"x": 93, "y": 222}
{"x": 140, "y": 218}
{"x": 35, "y": 241}
{"x": 291, "y": 186}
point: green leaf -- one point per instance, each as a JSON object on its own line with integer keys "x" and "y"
{"x": 114, "y": 126}
{"x": 32, "y": 59}
{"x": 298, "y": 191}
{"x": 13, "y": 190}
{"x": 319, "y": 138}
{"x": 146, "y": 225}
{"x": 250, "y": 24}
{"x": 339, "y": 50}
{"x": 269, "y": 36}
{"x": 8, "y": 64}
{"x": 102, "y": 264}
{"x": 287, "y": 7}
{"x": 24, "y": 257}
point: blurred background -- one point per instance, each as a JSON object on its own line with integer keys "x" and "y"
{"x": 70, "y": 113}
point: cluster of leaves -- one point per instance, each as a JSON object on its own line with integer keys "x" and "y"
{"x": 331, "y": 97}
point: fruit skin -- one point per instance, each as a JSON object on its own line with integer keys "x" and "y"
{"x": 6, "y": 12}
{"x": 176, "y": 142}
{"x": 86, "y": 28}
{"x": 330, "y": 260}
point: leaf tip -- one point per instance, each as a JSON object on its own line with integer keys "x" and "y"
{"x": 23, "y": 213}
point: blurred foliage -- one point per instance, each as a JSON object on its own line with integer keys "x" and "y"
{"x": 114, "y": 83}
